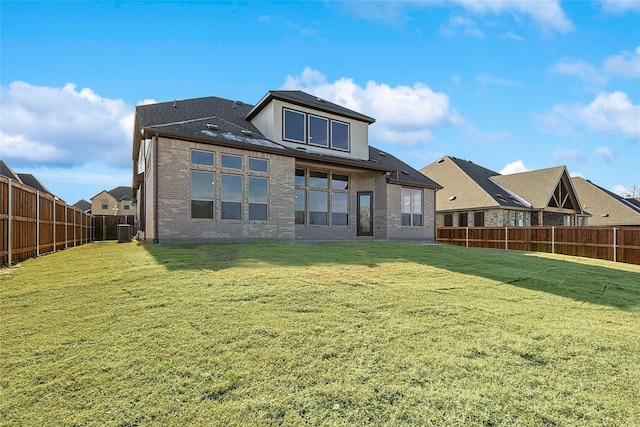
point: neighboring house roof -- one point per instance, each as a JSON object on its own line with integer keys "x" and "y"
{"x": 606, "y": 208}
{"x": 118, "y": 193}
{"x": 226, "y": 122}
{"x": 543, "y": 187}
{"x": 635, "y": 202}
{"x": 306, "y": 100}
{"x": 83, "y": 205}
{"x": 32, "y": 181}
{"x": 468, "y": 186}
{"x": 5, "y": 170}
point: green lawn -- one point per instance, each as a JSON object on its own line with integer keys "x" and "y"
{"x": 391, "y": 334}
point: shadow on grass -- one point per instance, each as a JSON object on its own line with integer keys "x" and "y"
{"x": 597, "y": 284}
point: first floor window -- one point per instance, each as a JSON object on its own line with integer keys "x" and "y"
{"x": 411, "y": 207}
{"x": 463, "y": 219}
{"x": 448, "y": 220}
{"x": 318, "y": 207}
{"x": 301, "y": 206}
{"x": 202, "y": 194}
{"x": 478, "y": 219}
{"x": 339, "y": 209}
{"x": 258, "y": 198}
{"x": 231, "y": 197}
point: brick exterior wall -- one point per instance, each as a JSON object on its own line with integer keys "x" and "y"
{"x": 174, "y": 201}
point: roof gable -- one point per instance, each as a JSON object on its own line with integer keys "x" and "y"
{"x": 33, "y": 182}
{"x": 606, "y": 208}
{"x": 5, "y": 170}
{"x": 306, "y": 100}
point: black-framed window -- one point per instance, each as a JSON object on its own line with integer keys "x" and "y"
{"x": 478, "y": 219}
{"x": 202, "y": 194}
{"x": 318, "y": 131}
{"x": 294, "y": 126}
{"x": 448, "y": 220}
{"x": 339, "y": 135}
{"x": 463, "y": 219}
{"x": 411, "y": 210}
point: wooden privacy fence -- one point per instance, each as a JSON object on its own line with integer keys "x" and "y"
{"x": 620, "y": 244}
{"x": 105, "y": 227}
{"x": 33, "y": 223}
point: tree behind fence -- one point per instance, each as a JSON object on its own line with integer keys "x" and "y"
{"x": 620, "y": 244}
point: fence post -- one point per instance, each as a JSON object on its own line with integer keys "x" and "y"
{"x": 615, "y": 244}
{"x": 37, "y": 223}
{"x": 506, "y": 238}
{"x": 66, "y": 225}
{"x": 9, "y": 224}
{"x": 54, "y": 224}
{"x": 467, "y": 237}
{"x": 553, "y": 239}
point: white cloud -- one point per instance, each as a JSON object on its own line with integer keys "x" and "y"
{"x": 404, "y": 114}
{"x": 461, "y": 24}
{"x": 625, "y": 64}
{"x": 581, "y": 69}
{"x": 511, "y": 36}
{"x": 605, "y": 154}
{"x": 548, "y": 15}
{"x": 514, "y": 167}
{"x": 63, "y": 126}
{"x": 620, "y": 6}
{"x": 609, "y": 113}
{"x": 574, "y": 174}
{"x": 621, "y": 190}
{"x": 486, "y": 79}
{"x": 565, "y": 155}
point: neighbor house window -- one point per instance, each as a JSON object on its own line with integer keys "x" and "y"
{"x": 463, "y": 219}
{"x": 478, "y": 219}
{"x": 258, "y": 198}
{"x": 231, "y": 162}
{"x": 127, "y": 204}
{"x": 202, "y": 194}
{"x": 448, "y": 220}
{"x": 294, "y": 129}
{"x": 339, "y": 135}
{"x": 105, "y": 204}
{"x": 318, "y": 131}
{"x": 411, "y": 207}
{"x": 203, "y": 158}
{"x": 231, "y": 197}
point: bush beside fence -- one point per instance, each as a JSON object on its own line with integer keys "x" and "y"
{"x": 621, "y": 244}
{"x": 33, "y": 223}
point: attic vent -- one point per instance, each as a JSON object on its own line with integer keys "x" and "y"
{"x": 604, "y": 215}
{"x": 452, "y": 198}
{"x": 373, "y": 160}
{"x": 212, "y": 126}
{"x": 380, "y": 153}
{"x": 319, "y": 99}
{"x": 174, "y": 104}
{"x": 246, "y": 132}
{"x": 301, "y": 148}
{"x": 440, "y": 160}
{"x": 405, "y": 172}
{"x": 238, "y": 102}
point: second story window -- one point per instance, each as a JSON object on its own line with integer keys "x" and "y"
{"x": 312, "y": 129}
{"x": 105, "y": 204}
{"x": 294, "y": 129}
{"x": 127, "y": 204}
{"x": 318, "y": 131}
{"x": 339, "y": 135}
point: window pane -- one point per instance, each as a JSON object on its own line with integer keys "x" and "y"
{"x": 105, "y": 203}
{"x": 231, "y": 188}
{"x": 257, "y": 212}
{"x": 318, "y": 131}
{"x": 232, "y": 162}
{"x": 300, "y": 200}
{"x": 318, "y": 207}
{"x": 231, "y": 210}
{"x": 126, "y": 204}
{"x": 201, "y": 185}
{"x": 318, "y": 218}
{"x": 202, "y": 209}
{"x": 416, "y": 201}
{"x": 448, "y": 220}
{"x": 300, "y": 181}
{"x": 299, "y": 217}
{"x": 318, "y": 179}
{"x": 339, "y": 182}
{"x": 339, "y": 135}
{"x": 406, "y": 201}
{"x": 417, "y": 220}
{"x": 406, "y": 219}
{"x": 258, "y": 190}
{"x": 478, "y": 219}
{"x": 204, "y": 158}
{"x": 340, "y": 202}
{"x": 258, "y": 165}
{"x": 294, "y": 126}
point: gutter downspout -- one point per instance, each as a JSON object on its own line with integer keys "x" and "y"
{"x": 155, "y": 188}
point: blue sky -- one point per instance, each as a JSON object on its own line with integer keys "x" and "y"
{"x": 510, "y": 85}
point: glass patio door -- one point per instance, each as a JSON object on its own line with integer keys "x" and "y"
{"x": 365, "y": 213}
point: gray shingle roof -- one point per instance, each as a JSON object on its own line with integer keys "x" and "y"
{"x": 121, "y": 193}
{"x": 606, "y": 208}
{"x": 402, "y": 172}
{"x": 32, "y": 181}
{"x": 5, "y": 170}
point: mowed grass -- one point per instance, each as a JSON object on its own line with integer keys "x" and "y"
{"x": 318, "y": 334}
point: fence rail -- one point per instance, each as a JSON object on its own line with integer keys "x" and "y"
{"x": 620, "y": 244}
{"x": 33, "y": 223}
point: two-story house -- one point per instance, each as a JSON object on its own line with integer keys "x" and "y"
{"x": 291, "y": 167}
{"x": 117, "y": 201}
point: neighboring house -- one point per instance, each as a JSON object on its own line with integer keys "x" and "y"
{"x": 634, "y": 201}
{"x": 475, "y": 196}
{"x": 606, "y": 208}
{"x": 117, "y": 201}
{"x": 23, "y": 178}
{"x": 83, "y": 205}
{"x": 293, "y": 166}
